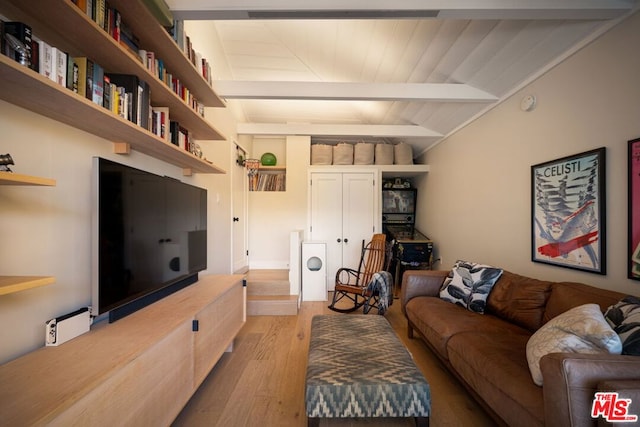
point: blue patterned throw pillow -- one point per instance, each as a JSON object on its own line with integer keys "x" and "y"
{"x": 469, "y": 284}
{"x": 624, "y": 318}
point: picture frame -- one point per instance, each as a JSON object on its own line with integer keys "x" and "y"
{"x": 568, "y": 212}
{"x": 633, "y": 204}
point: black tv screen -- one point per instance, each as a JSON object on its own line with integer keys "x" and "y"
{"x": 150, "y": 237}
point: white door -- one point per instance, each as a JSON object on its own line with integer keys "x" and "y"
{"x": 240, "y": 223}
{"x": 342, "y": 214}
{"x": 358, "y": 219}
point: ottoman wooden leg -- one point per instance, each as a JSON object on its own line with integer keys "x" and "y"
{"x": 313, "y": 422}
{"x": 422, "y": 421}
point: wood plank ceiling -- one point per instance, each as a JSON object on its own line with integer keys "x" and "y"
{"x": 375, "y": 71}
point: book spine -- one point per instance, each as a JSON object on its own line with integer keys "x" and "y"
{"x": 97, "y": 89}
{"x": 46, "y": 60}
{"x": 82, "y": 75}
{"x": 61, "y": 67}
{"x": 106, "y": 99}
{"x": 88, "y": 83}
{"x": 100, "y": 11}
{"x": 22, "y": 32}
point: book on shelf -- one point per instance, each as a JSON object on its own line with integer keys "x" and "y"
{"x": 60, "y": 75}
{"x": 35, "y": 54}
{"x": 45, "y": 59}
{"x": 99, "y": 15}
{"x": 88, "y": 82}
{"x": 83, "y": 64}
{"x": 160, "y": 122}
{"x": 138, "y": 98}
{"x": 97, "y": 85}
{"x": 72, "y": 74}
{"x": 270, "y": 182}
{"x": 20, "y": 46}
{"x": 106, "y": 92}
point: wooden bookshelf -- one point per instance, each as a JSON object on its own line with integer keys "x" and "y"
{"x": 63, "y": 25}
{"x": 24, "y": 87}
{"x": 11, "y": 284}
{"x": 10, "y": 178}
{"x": 156, "y": 39}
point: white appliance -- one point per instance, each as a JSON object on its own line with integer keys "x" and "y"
{"x": 314, "y": 271}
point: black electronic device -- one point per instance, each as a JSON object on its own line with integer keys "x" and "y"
{"x": 399, "y": 205}
{"x": 149, "y": 237}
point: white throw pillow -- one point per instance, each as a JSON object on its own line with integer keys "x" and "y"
{"x": 582, "y": 329}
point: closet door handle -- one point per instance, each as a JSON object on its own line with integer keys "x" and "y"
{"x": 346, "y": 240}
{"x": 339, "y": 240}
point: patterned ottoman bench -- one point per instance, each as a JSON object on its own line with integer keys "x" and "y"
{"x": 359, "y": 368}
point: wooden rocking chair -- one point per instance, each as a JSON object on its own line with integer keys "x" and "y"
{"x": 352, "y": 284}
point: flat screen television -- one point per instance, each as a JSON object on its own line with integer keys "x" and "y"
{"x": 149, "y": 237}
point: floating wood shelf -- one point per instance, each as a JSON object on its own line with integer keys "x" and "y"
{"x": 64, "y": 25}
{"x": 10, "y": 178}
{"x": 11, "y": 284}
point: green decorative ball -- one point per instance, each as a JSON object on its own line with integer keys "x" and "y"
{"x": 268, "y": 159}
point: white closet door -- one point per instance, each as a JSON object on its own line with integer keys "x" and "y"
{"x": 358, "y": 215}
{"x": 326, "y": 219}
{"x": 342, "y": 214}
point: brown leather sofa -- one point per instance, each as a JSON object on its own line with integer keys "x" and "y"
{"x": 487, "y": 352}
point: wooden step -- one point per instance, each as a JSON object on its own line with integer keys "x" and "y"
{"x": 272, "y": 305}
{"x": 268, "y": 282}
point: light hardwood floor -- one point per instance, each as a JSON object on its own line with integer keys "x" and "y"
{"x": 261, "y": 382}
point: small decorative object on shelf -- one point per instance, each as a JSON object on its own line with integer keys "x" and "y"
{"x": 5, "y": 161}
{"x": 195, "y": 149}
{"x": 268, "y": 159}
{"x": 252, "y": 166}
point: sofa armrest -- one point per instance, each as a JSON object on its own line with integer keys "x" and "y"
{"x": 570, "y": 381}
{"x": 420, "y": 283}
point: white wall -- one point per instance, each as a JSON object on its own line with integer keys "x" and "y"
{"x": 273, "y": 215}
{"x": 47, "y": 231}
{"x": 476, "y": 198}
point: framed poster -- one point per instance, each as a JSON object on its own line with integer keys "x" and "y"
{"x": 633, "y": 270}
{"x": 568, "y": 212}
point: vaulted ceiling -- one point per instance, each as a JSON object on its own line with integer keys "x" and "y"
{"x": 402, "y": 70}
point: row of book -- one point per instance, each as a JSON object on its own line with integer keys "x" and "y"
{"x": 157, "y": 68}
{"x": 268, "y": 182}
{"x": 110, "y": 20}
{"x": 123, "y": 94}
{"x": 184, "y": 43}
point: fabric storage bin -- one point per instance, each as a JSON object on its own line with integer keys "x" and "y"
{"x": 403, "y": 154}
{"x": 343, "y": 154}
{"x": 321, "y": 154}
{"x": 384, "y": 154}
{"x": 363, "y": 153}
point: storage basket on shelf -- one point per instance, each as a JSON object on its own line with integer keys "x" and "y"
{"x": 363, "y": 153}
{"x": 321, "y": 154}
{"x": 343, "y": 154}
{"x": 384, "y": 154}
{"x": 403, "y": 154}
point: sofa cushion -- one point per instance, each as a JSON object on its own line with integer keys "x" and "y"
{"x": 624, "y": 318}
{"x": 519, "y": 299}
{"x": 494, "y": 364}
{"x": 567, "y": 295}
{"x": 469, "y": 284}
{"x": 437, "y": 321}
{"x": 582, "y": 329}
